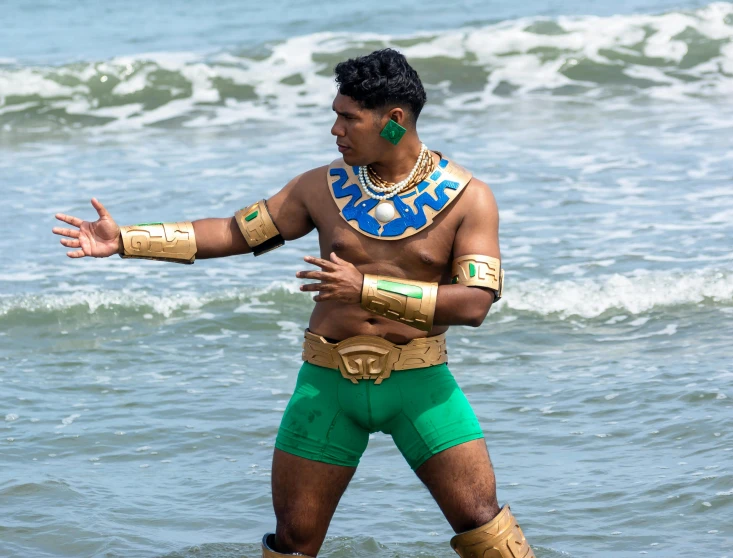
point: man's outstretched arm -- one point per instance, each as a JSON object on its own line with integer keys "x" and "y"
{"x": 282, "y": 217}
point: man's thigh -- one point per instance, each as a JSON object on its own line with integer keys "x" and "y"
{"x": 461, "y": 479}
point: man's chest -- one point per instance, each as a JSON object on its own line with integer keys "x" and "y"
{"x": 427, "y": 253}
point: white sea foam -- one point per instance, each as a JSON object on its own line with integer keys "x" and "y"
{"x": 630, "y": 294}
{"x": 677, "y": 56}
{"x": 634, "y": 293}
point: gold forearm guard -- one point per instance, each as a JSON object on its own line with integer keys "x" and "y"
{"x": 499, "y": 538}
{"x": 474, "y": 270}
{"x": 403, "y": 300}
{"x": 258, "y": 228}
{"x": 168, "y": 242}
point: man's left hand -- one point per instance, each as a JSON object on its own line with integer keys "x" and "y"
{"x": 339, "y": 280}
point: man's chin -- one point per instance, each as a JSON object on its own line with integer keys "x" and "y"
{"x": 352, "y": 159}
{"x": 349, "y": 159}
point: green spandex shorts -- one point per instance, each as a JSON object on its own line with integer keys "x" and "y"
{"x": 329, "y": 418}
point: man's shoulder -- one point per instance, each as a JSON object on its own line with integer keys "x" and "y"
{"x": 477, "y": 197}
{"x": 313, "y": 175}
{"x": 308, "y": 182}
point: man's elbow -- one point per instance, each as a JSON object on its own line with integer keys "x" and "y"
{"x": 477, "y": 315}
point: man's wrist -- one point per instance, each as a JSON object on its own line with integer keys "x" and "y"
{"x": 402, "y": 300}
{"x": 170, "y": 242}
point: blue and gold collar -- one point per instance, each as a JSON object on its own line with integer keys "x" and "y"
{"x": 412, "y": 212}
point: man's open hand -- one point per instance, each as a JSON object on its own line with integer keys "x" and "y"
{"x": 339, "y": 280}
{"x": 98, "y": 239}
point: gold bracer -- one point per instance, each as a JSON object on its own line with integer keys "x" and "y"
{"x": 368, "y": 357}
{"x": 168, "y": 242}
{"x": 403, "y": 300}
{"x": 499, "y": 538}
{"x": 475, "y": 270}
{"x": 258, "y": 228}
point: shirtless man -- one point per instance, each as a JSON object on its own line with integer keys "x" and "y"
{"x": 409, "y": 246}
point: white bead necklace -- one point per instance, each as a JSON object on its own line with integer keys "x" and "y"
{"x": 391, "y": 191}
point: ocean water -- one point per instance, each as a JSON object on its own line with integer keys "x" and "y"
{"x": 139, "y": 401}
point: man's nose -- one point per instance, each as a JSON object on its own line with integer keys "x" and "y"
{"x": 337, "y": 130}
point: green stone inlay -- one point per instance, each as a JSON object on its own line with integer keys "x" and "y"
{"x": 251, "y": 216}
{"x": 399, "y": 288}
{"x": 454, "y": 280}
{"x": 471, "y": 270}
{"x": 393, "y": 132}
{"x": 147, "y": 224}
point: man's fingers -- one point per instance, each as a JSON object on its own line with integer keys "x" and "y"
{"x": 69, "y": 219}
{"x": 336, "y": 259}
{"x": 312, "y": 287}
{"x": 71, "y": 242}
{"x": 75, "y": 254}
{"x": 319, "y": 275}
{"x": 101, "y": 211}
{"x": 323, "y": 264}
{"x": 66, "y": 232}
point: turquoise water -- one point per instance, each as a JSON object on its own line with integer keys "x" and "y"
{"x": 139, "y": 401}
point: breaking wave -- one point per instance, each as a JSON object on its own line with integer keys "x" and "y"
{"x": 636, "y": 293}
{"x": 677, "y": 57}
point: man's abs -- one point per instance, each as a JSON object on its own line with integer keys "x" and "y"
{"x": 337, "y": 321}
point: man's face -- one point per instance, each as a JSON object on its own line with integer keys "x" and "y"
{"x": 357, "y": 132}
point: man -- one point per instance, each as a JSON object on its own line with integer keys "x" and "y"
{"x": 409, "y": 246}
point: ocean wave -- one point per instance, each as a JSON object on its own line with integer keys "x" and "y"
{"x": 676, "y": 56}
{"x": 636, "y": 293}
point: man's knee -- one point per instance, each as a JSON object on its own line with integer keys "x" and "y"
{"x": 298, "y": 534}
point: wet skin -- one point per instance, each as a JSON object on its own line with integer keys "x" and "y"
{"x": 306, "y": 493}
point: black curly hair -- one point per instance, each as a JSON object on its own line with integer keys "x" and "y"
{"x": 380, "y": 79}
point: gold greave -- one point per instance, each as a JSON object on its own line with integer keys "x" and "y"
{"x": 168, "y": 242}
{"x": 267, "y": 551}
{"x": 403, "y": 300}
{"x": 499, "y": 538}
{"x": 475, "y": 270}
{"x": 258, "y": 228}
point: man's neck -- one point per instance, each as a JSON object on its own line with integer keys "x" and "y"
{"x": 399, "y": 161}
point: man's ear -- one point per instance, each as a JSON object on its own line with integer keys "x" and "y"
{"x": 399, "y": 116}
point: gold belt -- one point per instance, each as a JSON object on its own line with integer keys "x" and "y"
{"x": 368, "y": 357}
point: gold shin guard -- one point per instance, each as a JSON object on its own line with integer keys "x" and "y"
{"x": 168, "y": 242}
{"x": 499, "y": 538}
{"x": 475, "y": 270}
{"x": 403, "y": 300}
{"x": 258, "y": 228}
{"x": 267, "y": 551}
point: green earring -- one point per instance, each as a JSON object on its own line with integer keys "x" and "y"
{"x": 393, "y": 132}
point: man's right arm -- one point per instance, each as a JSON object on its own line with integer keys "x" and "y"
{"x": 216, "y": 238}
{"x": 286, "y": 213}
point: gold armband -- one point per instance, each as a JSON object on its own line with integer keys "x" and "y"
{"x": 403, "y": 300}
{"x": 474, "y": 270}
{"x": 168, "y": 242}
{"x": 258, "y": 228}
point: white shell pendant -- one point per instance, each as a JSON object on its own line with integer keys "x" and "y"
{"x": 385, "y": 212}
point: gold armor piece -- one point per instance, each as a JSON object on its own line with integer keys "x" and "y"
{"x": 368, "y": 357}
{"x": 499, "y": 538}
{"x": 169, "y": 242}
{"x": 475, "y": 270}
{"x": 403, "y": 300}
{"x": 267, "y": 551}
{"x": 258, "y": 229}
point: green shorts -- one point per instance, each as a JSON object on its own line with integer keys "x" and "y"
{"x": 329, "y": 418}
